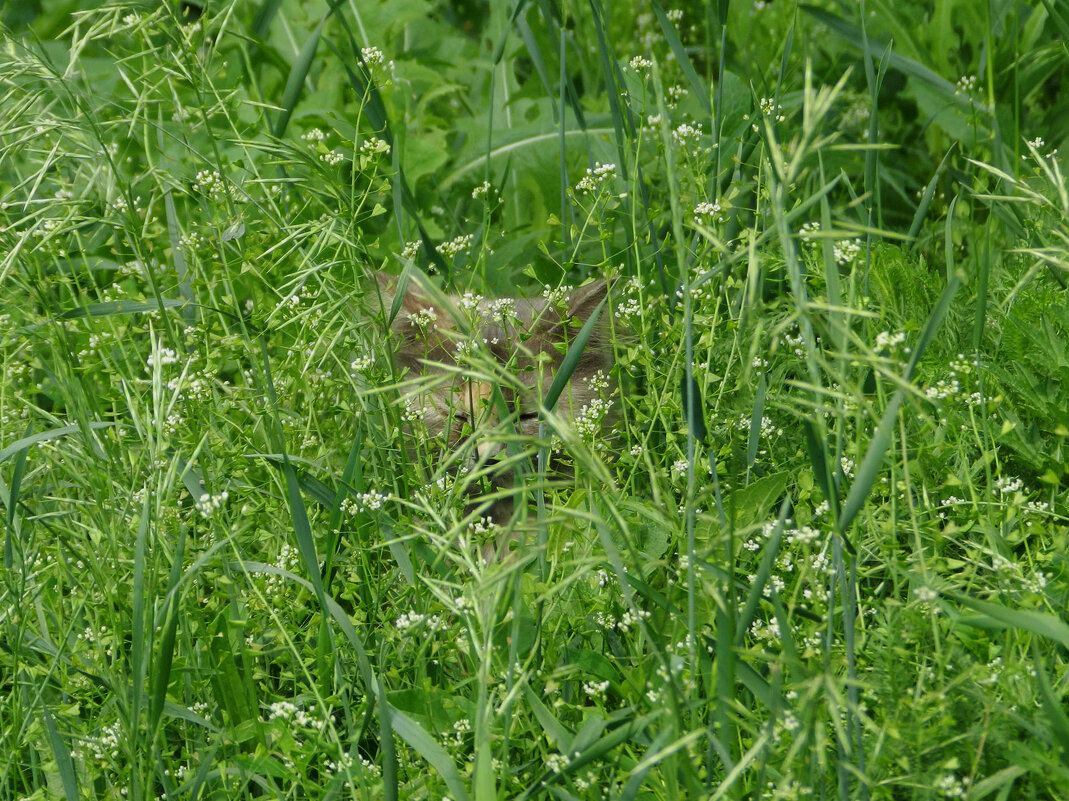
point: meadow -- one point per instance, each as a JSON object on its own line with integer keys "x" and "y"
{"x": 809, "y": 544}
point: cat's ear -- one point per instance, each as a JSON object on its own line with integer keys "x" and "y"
{"x": 586, "y": 298}
{"x": 396, "y": 306}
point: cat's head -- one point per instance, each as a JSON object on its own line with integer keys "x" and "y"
{"x": 468, "y": 347}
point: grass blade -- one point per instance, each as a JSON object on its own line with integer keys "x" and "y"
{"x": 701, "y": 91}
{"x": 298, "y": 74}
{"x": 62, "y": 754}
{"x": 872, "y": 464}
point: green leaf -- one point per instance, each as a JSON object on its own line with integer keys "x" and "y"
{"x": 43, "y": 436}
{"x": 112, "y": 307}
{"x": 700, "y": 90}
{"x": 298, "y": 73}
{"x": 1024, "y": 619}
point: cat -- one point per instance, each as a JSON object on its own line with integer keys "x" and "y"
{"x": 488, "y": 363}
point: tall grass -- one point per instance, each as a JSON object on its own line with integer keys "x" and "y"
{"x": 816, "y": 551}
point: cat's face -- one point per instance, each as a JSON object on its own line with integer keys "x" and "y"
{"x": 476, "y": 346}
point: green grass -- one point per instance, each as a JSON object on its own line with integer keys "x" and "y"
{"x": 819, "y": 553}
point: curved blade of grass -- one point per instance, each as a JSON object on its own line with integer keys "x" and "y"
{"x": 110, "y": 307}
{"x": 62, "y": 754}
{"x": 769, "y": 552}
{"x": 1030, "y": 620}
{"x": 298, "y": 73}
{"x": 614, "y": 91}
{"x": 1054, "y": 708}
{"x": 700, "y": 90}
{"x": 929, "y": 193}
{"x": 262, "y": 21}
{"x": 527, "y": 136}
{"x": 755, "y": 423}
{"x": 850, "y": 34}
{"x": 1061, "y": 20}
{"x": 571, "y": 358}
{"x": 872, "y": 464}
{"x": 161, "y": 669}
{"x": 43, "y": 436}
{"x": 10, "y": 497}
{"x": 535, "y": 52}
{"x": 138, "y": 660}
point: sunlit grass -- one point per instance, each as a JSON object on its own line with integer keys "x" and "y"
{"x": 816, "y": 553}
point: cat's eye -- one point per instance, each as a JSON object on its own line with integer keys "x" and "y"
{"x": 529, "y": 416}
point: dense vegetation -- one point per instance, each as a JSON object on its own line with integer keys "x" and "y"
{"x": 815, "y": 548}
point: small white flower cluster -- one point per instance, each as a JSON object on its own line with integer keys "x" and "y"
{"x": 466, "y": 347}
{"x": 370, "y": 501}
{"x": 966, "y": 85}
{"x": 471, "y": 302}
{"x": 598, "y": 382}
{"x": 630, "y": 306}
{"x": 944, "y": 388}
{"x": 194, "y": 386}
{"x": 290, "y": 712}
{"x": 595, "y": 689}
{"x": 768, "y": 428}
{"x": 313, "y": 136}
{"x": 809, "y": 231}
{"x": 1008, "y": 486}
{"x": 595, "y": 178}
{"x": 409, "y": 620}
{"x": 211, "y": 182}
{"x": 333, "y": 158}
{"x": 629, "y": 619}
{"x": 482, "y": 190}
{"x": 483, "y": 526}
{"x": 687, "y": 134}
{"x": 415, "y": 411}
{"x": 806, "y": 535}
{"x": 191, "y": 241}
{"x": 675, "y": 94}
{"x": 770, "y": 108}
{"x": 362, "y": 362}
{"x": 106, "y": 746}
{"x": 374, "y": 147}
{"x": 589, "y": 419}
{"x": 708, "y": 210}
{"x": 640, "y": 64}
{"x": 925, "y": 594}
{"x": 557, "y": 763}
{"x": 501, "y": 309}
{"x": 762, "y": 630}
{"x": 372, "y": 55}
{"x": 208, "y": 503}
{"x": 887, "y": 342}
{"x": 562, "y": 294}
{"x": 846, "y": 251}
{"x": 424, "y": 317}
{"x": 795, "y": 341}
{"x": 410, "y": 250}
{"x": 952, "y": 787}
{"x": 847, "y": 466}
{"x": 162, "y": 356}
{"x": 460, "y": 244}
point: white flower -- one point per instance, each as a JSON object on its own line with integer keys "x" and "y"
{"x": 595, "y": 178}
{"x": 374, "y": 147}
